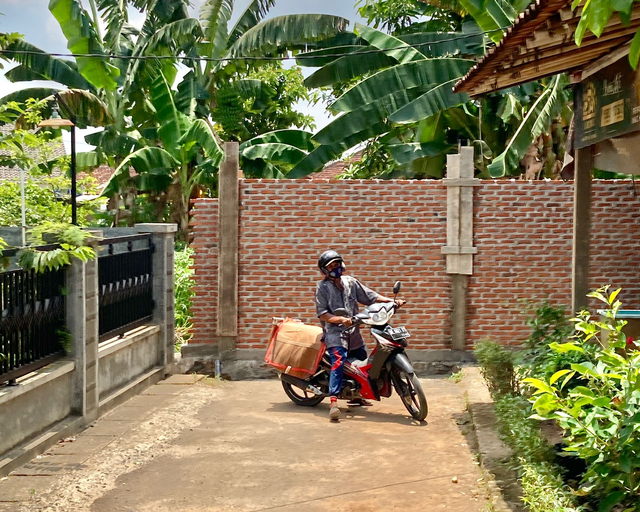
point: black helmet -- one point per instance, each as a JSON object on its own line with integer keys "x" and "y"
{"x": 327, "y": 257}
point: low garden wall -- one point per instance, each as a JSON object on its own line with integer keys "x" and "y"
{"x": 98, "y": 371}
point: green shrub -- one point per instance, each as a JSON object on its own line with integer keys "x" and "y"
{"x": 184, "y": 293}
{"x": 543, "y": 489}
{"x": 497, "y": 367}
{"x": 601, "y": 418}
{"x": 519, "y": 431}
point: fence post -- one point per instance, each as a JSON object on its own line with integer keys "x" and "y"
{"x": 228, "y": 250}
{"x": 163, "y": 238}
{"x": 459, "y": 249}
{"x": 82, "y": 322}
{"x": 581, "y": 229}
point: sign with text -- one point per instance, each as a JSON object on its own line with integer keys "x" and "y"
{"x": 607, "y": 104}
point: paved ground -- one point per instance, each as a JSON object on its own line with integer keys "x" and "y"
{"x": 242, "y": 446}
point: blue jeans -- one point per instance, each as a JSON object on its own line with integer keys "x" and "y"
{"x": 338, "y": 356}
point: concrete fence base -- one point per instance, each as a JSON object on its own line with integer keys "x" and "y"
{"x": 62, "y": 398}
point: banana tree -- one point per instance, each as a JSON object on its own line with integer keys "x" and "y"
{"x": 123, "y": 83}
{"x": 189, "y": 156}
{"x": 403, "y": 102}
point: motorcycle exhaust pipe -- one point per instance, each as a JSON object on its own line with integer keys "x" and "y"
{"x": 299, "y": 383}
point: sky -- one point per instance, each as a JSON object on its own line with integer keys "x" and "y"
{"x": 32, "y": 19}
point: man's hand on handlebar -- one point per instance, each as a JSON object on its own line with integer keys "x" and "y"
{"x": 400, "y": 302}
{"x": 346, "y": 321}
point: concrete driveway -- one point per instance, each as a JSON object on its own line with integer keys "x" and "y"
{"x": 242, "y": 446}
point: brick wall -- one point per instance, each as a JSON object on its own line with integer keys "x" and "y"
{"x": 393, "y": 230}
{"x": 205, "y": 244}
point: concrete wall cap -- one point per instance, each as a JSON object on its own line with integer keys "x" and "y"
{"x": 36, "y": 379}
{"x": 156, "y": 227}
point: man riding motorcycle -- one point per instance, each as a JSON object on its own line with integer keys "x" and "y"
{"x": 341, "y": 292}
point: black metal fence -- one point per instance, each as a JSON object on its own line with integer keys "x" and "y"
{"x": 32, "y": 321}
{"x": 125, "y": 284}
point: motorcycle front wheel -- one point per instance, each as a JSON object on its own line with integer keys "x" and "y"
{"x": 300, "y": 397}
{"x": 410, "y": 391}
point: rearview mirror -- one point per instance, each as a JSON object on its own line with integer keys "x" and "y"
{"x": 340, "y": 312}
{"x": 396, "y": 287}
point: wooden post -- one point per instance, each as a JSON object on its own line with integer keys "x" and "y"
{"x": 228, "y": 198}
{"x": 581, "y": 228}
{"x": 459, "y": 249}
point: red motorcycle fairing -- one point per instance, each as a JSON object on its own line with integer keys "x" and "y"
{"x": 361, "y": 376}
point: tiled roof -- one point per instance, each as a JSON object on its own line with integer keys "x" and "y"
{"x": 13, "y": 173}
{"x": 102, "y": 174}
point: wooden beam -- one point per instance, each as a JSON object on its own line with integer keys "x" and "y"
{"x": 605, "y": 61}
{"x": 581, "y": 228}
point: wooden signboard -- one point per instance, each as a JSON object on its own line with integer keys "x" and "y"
{"x": 607, "y": 104}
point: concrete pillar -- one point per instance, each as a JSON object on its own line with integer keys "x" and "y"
{"x": 163, "y": 238}
{"x": 82, "y": 322}
{"x": 459, "y": 250}
{"x": 581, "y": 228}
{"x": 228, "y": 196}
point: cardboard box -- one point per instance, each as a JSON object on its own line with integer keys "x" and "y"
{"x": 295, "y": 348}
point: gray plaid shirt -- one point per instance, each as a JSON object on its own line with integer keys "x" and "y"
{"x": 329, "y": 298}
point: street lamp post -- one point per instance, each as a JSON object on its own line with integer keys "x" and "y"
{"x": 57, "y": 122}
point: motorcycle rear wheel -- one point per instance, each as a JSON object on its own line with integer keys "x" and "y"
{"x": 412, "y": 395}
{"x": 301, "y": 397}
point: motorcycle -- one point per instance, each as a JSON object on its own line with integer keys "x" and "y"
{"x": 387, "y": 367}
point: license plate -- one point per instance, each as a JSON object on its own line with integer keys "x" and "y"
{"x": 398, "y": 333}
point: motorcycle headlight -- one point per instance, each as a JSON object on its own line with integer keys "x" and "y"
{"x": 380, "y": 317}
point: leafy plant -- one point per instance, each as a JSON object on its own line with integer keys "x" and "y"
{"x": 549, "y": 324}
{"x": 543, "y": 489}
{"x": 71, "y": 239}
{"x": 602, "y": 417}
{"x": 519, "y": 431}
{"x": 184, "y": 293}
{"x": 497, "y": 367}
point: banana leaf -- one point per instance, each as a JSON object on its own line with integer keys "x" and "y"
{"x": 191, "y": 96}
{"x": 37, "y": 65}
{"x": 359, "y": 120}
{"x": 201, "y": 133}
{"x": 174, "y": 35}
{"x": 439, "y": 98}
{"x": 322, "y": 155}
{"x": 214, "y": 16}
{"x": 152, "y": 161}
{"x": 493, "y": 16}
{"x": 171, "y": 121}
{"x": 274, "y": 153}
{"x": 252, "y": 15}
{"x": 112, "y": 142}
{"x": 169, "y": 39}
{"x": 392, "y": 46}
{"x": 261, "y": 169}
{"x": 433, "y": 44}
{"x": 300, "y": 139}
{"x": 319, "y": 58}
{"x": 400, "y": 77}
{"x": 360, "y": 62}
{"x": 85, "y": 108}
{"x": 537, "y": 121}
{"x": 291, "y": 31}
{"x": 82, "y": 38}
{"x": 406, "y": 153}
